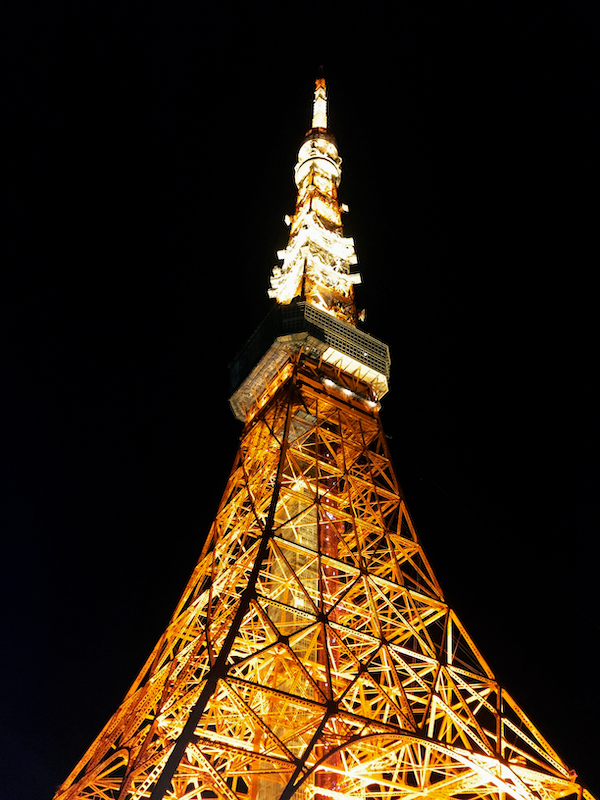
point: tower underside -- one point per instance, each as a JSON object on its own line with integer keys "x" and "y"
{"x": 312, "y": 653}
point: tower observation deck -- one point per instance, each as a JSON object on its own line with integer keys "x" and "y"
{"x": 312, "y": 653}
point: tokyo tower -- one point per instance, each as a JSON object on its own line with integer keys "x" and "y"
{"x": 312, "y": 653}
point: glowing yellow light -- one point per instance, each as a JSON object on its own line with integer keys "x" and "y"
{"x": 319, "y": 119}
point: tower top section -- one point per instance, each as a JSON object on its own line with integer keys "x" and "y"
{"x": 318, "y": 258}
{"x": 315, "y": 313}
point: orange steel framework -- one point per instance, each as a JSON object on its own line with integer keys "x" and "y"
{"x": 312, "y": 653}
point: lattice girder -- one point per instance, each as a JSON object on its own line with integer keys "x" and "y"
{"x": 316, "y": 639}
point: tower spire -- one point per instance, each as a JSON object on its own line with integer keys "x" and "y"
{"x": 318, "y": 258}
{"x": 319, "y": 119}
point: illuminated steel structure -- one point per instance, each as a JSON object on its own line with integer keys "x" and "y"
{"x": 312, "y": 653}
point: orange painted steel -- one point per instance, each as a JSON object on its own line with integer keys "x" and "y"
{"x": 345, "y": 674}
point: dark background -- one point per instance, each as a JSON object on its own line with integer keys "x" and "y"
{"x": 149, "y": 167}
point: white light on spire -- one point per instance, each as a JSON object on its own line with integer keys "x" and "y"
{"x": 319, "y": 119}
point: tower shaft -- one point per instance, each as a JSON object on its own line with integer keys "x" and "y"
{"x": 312, "y": 653}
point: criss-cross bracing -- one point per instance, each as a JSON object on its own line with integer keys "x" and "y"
{"x": 312, "y": 653}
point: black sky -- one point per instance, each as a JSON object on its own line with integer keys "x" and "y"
{"x": 150, "y": 166}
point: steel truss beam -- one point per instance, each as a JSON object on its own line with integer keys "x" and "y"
{"x": 312, "y": 653}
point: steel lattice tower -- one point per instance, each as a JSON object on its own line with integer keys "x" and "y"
{"x": 312, "y": 653}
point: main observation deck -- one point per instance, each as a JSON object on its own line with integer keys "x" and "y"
{"x": 286, "y": 330}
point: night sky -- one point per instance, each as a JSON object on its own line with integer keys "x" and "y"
{"x": 149, "y": 168}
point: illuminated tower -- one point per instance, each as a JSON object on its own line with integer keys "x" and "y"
{"x": 312, "y": 653}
